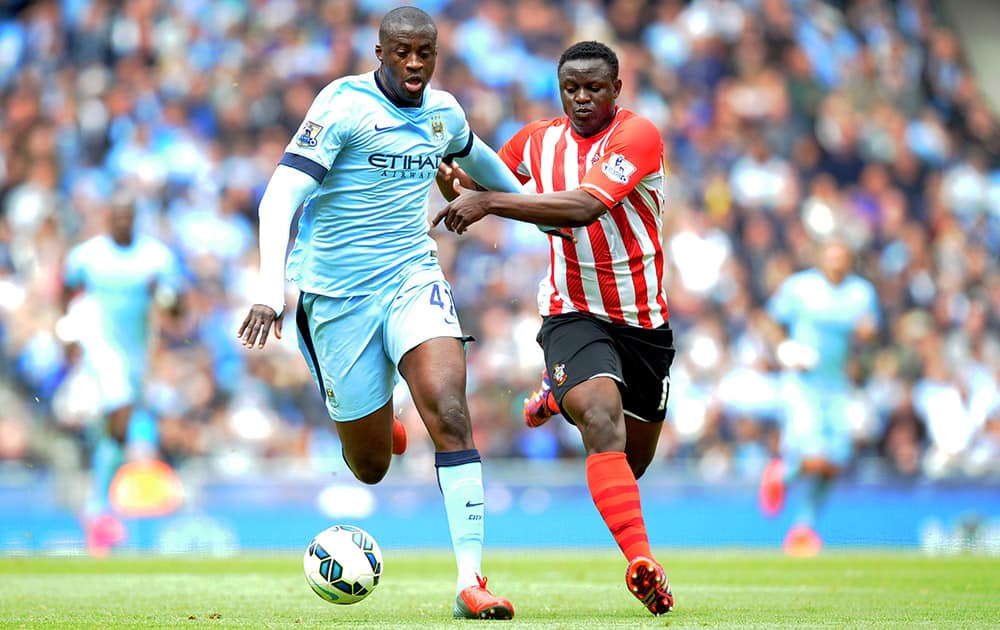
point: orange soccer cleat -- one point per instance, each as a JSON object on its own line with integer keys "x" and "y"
{"x": 541, "y": 405}
{"x": 398, "y": 437}
{"x": 771, "y": 495}
{"x": 645, "y": 579}
{"x": 475, "y": 602}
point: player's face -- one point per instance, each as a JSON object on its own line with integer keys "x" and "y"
{"x": 836, "y": 262}
{"x": 588, "y": 90}
{"x": 408, "y": 56}
{"x": 122, "y": 221}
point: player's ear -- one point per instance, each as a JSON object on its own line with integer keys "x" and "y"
{"x": 378, "y": 51}
{"x": 617, "y": 84}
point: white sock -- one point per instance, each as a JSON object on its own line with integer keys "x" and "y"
{"x": 460, "y": 476}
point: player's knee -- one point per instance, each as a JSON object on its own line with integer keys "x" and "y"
{"x": 368, "y": 470}
{"x": 370, "y": 473}
{"x": 602, "y": 430}
{"x": 638, "y": 468}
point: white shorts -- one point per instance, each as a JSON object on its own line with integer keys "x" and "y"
{"x": 118, "y": 380}
{"x": 353, "y": 345}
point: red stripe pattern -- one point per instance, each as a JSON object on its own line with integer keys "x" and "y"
{"x": 616, "y": 496}
{"x": 615, "y": 269}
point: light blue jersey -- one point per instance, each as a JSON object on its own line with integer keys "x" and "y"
{"x": 375, "y": 162}
{"x": 119, "y": 283}
{"x": 823, "y": 317}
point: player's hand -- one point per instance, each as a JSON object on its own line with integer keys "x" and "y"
{"x": 866, "y": 329}
{"x": 793, "y": 355}
{"x": 257, "y": 325}
{"x": 468, "y": 207}
{"x": 449, "y": 177}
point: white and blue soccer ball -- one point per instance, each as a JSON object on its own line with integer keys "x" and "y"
{"x": 343, "y": 564}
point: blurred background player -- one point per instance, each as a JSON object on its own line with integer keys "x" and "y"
{"x": 607, "y": 343}
{"x": 822, "y": 312}
{"x": 373, "y": 297}
{"x": 111, "y": 283}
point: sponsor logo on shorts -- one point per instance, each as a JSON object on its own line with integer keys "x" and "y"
{"x": 559, "y": 373}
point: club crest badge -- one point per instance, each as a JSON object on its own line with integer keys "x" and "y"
{"x": 307, "y": 136}
{"x": 437, "y": 127}
{"x": 618, "y": 169}
{"x": 559, "y": 373}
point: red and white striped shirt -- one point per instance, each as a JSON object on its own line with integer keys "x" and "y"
{"x": 615, "y": 269}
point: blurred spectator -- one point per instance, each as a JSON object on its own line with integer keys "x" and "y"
{"x": 783, "y": 120}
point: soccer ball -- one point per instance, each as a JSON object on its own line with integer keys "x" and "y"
{"x": 343, "y": 564}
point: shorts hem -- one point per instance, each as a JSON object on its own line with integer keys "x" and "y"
{"x": 367, "y": 409}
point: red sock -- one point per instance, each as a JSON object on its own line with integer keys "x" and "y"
{"x": 616, "y": 495}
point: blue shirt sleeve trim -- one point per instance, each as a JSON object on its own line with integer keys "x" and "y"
{"x": 304, "y": 164}
{"x": 464, "y": 152}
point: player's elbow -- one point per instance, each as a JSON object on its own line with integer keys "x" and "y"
{"x": 587, "y": 213}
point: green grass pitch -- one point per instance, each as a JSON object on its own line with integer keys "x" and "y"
{"x": 571, "y": 590}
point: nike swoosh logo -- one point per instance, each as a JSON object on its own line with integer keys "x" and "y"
{"x": 471, "y": 504}
{"x": 377, "y": 128}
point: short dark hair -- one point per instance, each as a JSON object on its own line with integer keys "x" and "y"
{"x": 590, "y": 50}
{"x": 404, "y": 18}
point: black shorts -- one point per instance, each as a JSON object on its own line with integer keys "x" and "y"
{"x": 579, "y": 347}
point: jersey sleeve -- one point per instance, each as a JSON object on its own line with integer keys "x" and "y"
{"x": 323, "y": 133}
{"x": 457, "y": 127}
{"x": 512, "y": 152}
{"x": 73, "y": 271}
{"x": 782, "y": 305}
{"x": 871, "y": 303}
{"x": 635, "y": 150}
{"x": 168, "y": 269}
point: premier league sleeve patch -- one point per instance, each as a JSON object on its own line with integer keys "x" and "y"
{"x": 618, "y": 169}
{"x": 307, "y": 135}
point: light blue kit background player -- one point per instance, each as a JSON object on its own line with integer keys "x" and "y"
{"x": 823, "y": 311}
{"x": 121, "y": 276}
{"x": 374, "y": 303}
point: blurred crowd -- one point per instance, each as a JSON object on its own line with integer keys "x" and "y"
{"x": 783, "y": 120}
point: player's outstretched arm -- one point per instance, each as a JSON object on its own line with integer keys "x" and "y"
{"x": 285, "y": 192}
{"x": 483, "y": 169}
{"x": 573, "y": 208}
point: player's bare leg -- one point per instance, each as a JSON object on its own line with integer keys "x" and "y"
{"x": 103, "y": 530}
{"x": 435, "y": 372}
{"x": 596, "y": 408}
{"x": 641, "y": 439}
{"x": 367, "y": 444}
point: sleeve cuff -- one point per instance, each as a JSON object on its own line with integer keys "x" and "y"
{"x": 461, "y": 154}
{"x": 304, "y": 164}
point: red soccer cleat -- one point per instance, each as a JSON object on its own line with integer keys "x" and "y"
{"x": 541, "y": 405}
{"x": 771, "y": 495}
{"x": 645, "y": 579}
{"x": 475, "y": 602}
{"x": 398, "y": 437}
{"x": 802, "y": 542}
